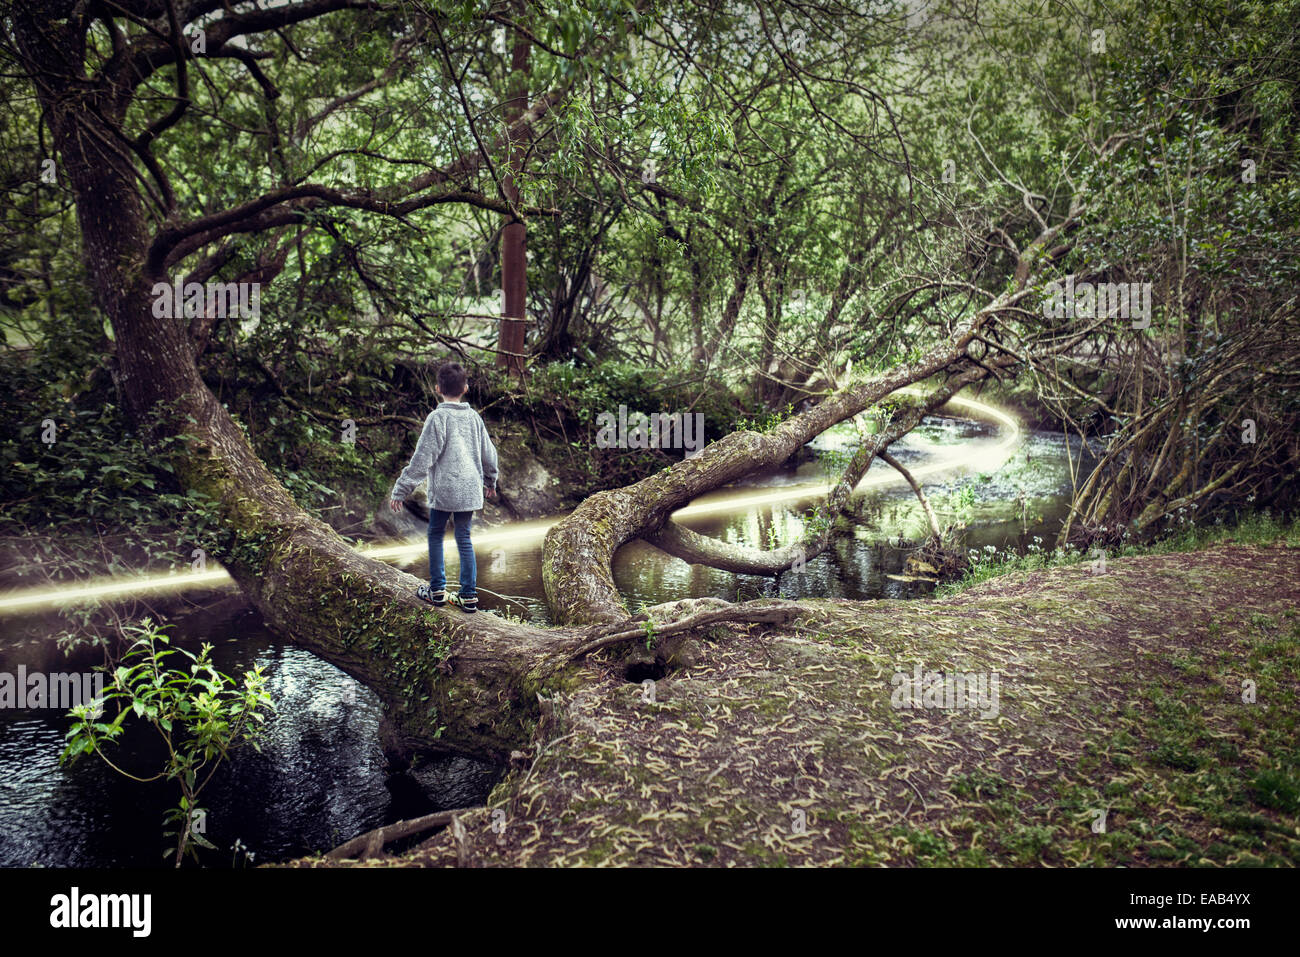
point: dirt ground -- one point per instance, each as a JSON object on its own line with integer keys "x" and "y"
{"x": 1145, "y": 715}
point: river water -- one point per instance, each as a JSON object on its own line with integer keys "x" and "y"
{"x": 320, "y": 778}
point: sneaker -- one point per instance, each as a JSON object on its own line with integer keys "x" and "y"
{"x": 468, "y": 605}
{"x": 425, "y": 593}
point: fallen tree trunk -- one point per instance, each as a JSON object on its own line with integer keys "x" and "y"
{"x": 579, "y": 549}
{"x": 578, "y": 554}
{"x": 448, "y": 682}
{"x": 705, "y": 550}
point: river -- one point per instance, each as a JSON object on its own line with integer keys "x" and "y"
{"x": 320, "y": 778}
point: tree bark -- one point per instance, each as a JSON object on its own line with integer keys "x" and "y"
{"x": 514, "y": 264}
{"x": 704, "y": 550}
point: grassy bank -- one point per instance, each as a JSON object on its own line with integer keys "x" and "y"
{"x": 1146, "y": 716}
{"x": 1254, "y": 529}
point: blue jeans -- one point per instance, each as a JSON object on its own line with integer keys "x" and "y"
{"x": 468, "y": 568}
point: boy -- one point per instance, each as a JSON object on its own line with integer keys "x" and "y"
{"x": 459, "y": 462}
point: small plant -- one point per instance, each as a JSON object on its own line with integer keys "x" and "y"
{"x": 766, "y": 421}
{"x": 816, "y": 522}
{"x": 239, "y": 847}
{"x": 201, "y": 715}
{"x": 1275, "y": 788}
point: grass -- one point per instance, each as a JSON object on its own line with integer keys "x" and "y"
{"x": 1258, "y": 528}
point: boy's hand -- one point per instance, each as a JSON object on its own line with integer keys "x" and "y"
{"x": 489, "y": 492}
{"x": 395, "y": 505}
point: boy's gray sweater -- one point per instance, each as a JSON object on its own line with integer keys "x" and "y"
{"x": 455, "y": 456}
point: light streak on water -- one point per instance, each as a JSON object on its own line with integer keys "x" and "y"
{"x": 977, "y": 455}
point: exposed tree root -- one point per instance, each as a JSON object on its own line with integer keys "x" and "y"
{"x": 749, "y": 613}
{"x": 371, "y": 843}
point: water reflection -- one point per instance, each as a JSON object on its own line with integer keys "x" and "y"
{"x": 1026, "y": 497}
{"x": 319, "y": 780}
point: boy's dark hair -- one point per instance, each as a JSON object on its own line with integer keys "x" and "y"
{"x": 452, "y": 379}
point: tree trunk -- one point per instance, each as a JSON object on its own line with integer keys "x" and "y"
{"x": 514, "y": 264}
{"x": 447, "y": 682}
{"x": 579, "y": 549}
{"x": 701, "y": 549}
